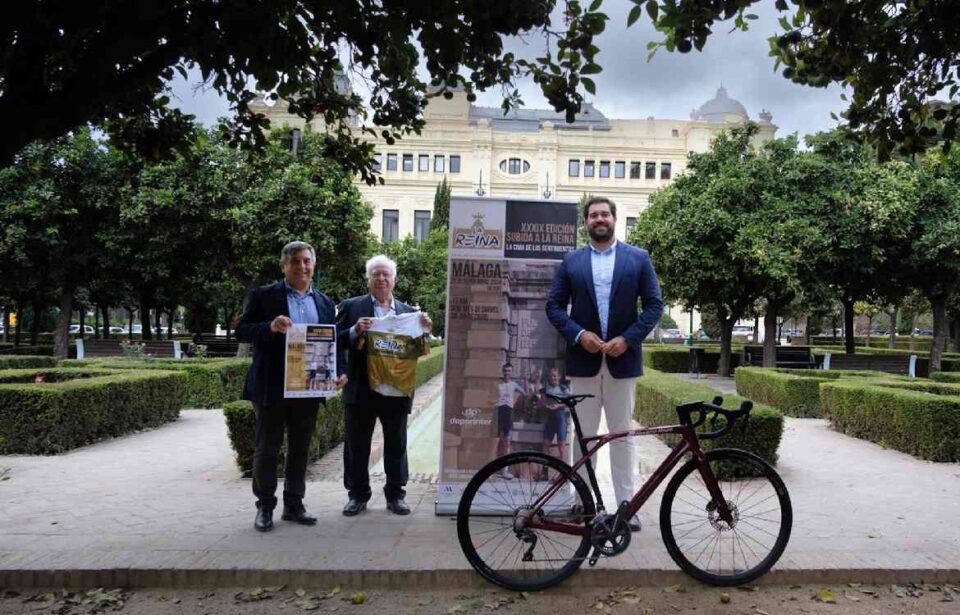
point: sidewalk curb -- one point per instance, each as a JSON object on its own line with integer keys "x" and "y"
{"x": 424, "y": 579}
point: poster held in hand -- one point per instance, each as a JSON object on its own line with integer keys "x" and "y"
{"x": 311, "y": 362}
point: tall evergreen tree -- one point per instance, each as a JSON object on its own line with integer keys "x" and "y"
{"x": 441, "y": 207}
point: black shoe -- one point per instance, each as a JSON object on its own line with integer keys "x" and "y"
{"x": 398, "y": 507}
{"x": 298, "y": 514}
{"x": 354, "y": 507}
{"x": 264, "y": 520}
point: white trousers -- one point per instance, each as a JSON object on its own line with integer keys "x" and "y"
{"x": 615, "y": 396}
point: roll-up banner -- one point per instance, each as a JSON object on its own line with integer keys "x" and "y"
{"x": 502, "y": 353}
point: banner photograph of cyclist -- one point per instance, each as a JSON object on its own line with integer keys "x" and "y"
{"x": 503, "y": 354}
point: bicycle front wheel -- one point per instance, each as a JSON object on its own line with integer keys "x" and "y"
{"x": 711, "y": 549}
{"x": 499, "y": 546}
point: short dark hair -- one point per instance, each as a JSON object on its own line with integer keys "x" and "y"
{"x": 505, "y": 366}
{"x": 599, "y": 199}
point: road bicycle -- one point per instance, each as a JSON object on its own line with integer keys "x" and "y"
{"x": 527, "y": 520}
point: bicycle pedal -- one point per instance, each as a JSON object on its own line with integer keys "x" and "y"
{"x": 594, "y": 557}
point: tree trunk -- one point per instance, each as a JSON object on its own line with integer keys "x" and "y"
{"x": 833, "y": 331}
{"x": 806, "y": 332}
{"x": 106, "y": 321}
{"x": 130, "y": 324}
{"x": 939, "y": 304}
{"x": 19, "y": 330}
{"x": 61, "y": 334}
{"x": 97, "y": 331}
{"x": 726, "y": 338}
{"x": 892, "y": 337}
{"x": 770, "y": 341}
{"x": 145, "y": 332}
{"x": 157, "y": 313}
{"x": 170, "y": 324}
{"x": 869, "y": 328}
{"x": 913, "y": 332}
{"x": 6, "y": 323}
{"x": 83, "y": 313}
{"x": 36, "y": 307}
{"x": 850, "y": 341}
{"x": 956, "y": 337}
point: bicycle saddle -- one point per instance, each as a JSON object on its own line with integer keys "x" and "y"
{"x": 568, "y": 400}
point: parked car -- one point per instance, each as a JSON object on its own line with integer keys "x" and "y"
{"x": 671, "y": 334}
{"x": 923, "y": 331}
{"x": 743, "y": 331}
{"x": 114, "y": 330}
{"x": 87, "y": 330}
{"x": 163, "y": 331}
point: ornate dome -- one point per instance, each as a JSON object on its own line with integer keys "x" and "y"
{"x": 719, "y": 106}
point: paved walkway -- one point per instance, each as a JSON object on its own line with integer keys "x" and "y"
{"x": 167, "y": 508}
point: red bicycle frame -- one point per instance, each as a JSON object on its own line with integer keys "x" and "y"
{"x": 689, "y": 444}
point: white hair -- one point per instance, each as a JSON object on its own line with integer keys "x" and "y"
{"x": 382, "y": 260}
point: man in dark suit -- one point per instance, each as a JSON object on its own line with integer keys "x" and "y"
{"x": 363, "y": 406}
{"x": 269, "y": 312}
{"x": 602, "y": 283}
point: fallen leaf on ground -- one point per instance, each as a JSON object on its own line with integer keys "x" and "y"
{"x": 725, "y": 598}
{"x": 826, "y": 595}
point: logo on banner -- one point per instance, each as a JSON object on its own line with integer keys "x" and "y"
{"x": 477, "y": 236}
{"x": 471, "y": 416}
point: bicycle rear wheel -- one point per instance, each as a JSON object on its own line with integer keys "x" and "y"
{"x": 710, "y": 549}
{"x": 523, "y": 559}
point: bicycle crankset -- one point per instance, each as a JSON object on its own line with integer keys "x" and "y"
{"x": 609, "y": 535}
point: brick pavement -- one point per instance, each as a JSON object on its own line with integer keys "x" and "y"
{"x": 167, "y": 508}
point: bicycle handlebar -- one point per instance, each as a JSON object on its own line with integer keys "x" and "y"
{"x": 703, "y": 409}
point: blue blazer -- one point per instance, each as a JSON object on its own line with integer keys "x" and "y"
{"x": 633, "y": 279}
{"x": 264, "y": 385}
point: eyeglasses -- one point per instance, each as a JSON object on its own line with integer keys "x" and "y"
{"x": 381, "y": 274}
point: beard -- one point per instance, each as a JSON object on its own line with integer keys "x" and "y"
{"x": 600, "y": 233}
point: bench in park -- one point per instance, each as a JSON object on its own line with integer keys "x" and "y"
{"x": 217, "y": 346}
{"x": 799, "y": 357}
{"x": 94, "y": 348}
{"x": 892, "y": 364}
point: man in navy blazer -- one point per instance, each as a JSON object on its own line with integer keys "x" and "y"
{"x": 268, "y": 313}
{"x": 363, "y": 406}
{"x": 601, "y": 283}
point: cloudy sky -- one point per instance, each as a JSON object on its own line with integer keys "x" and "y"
{"x": 669, "y": 86}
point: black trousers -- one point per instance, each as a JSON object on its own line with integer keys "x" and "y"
{"x": 299, "y": 418}
{"x": 359, "y": 421}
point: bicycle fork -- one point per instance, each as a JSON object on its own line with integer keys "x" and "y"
{"x": 717, "y": 501}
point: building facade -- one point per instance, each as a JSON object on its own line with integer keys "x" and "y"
{"x": 534, "y": 153}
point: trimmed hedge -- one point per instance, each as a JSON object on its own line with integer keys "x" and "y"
{"x": 39, "y": 350}
{"x": 919, "y": 423}
{"x": 26, "y": 361}
{"x": 945, "y": 377}
{"x": 241, "y": 421}
{"x": 659, "y": 394}
{"x": 795, "y": 392}
{"x": 77, "y": 407}
{"x": 210, "y": 383}
{"x": 676, "y": 360}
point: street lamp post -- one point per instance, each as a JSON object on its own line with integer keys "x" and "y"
{"x": 547, "y": 192}
{"x": 480, "y": 189}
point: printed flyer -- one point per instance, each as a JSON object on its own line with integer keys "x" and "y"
{"x": 311, "y": 361}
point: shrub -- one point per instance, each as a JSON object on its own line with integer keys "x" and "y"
{"x": 53, "y": 417}
{"x": 26, "y": 361}
{"x": 795, "y": 392}
{"x": 945, "y": 377}
{"x": 676, "y": 360}
{"x": 920, "y": 423}
{"x": 241, "y": 426}
{"x": 39, "y": 350}
{"x": 241, "y": 422}
{"x": 659, "y": 394}
{"x": 210, "y": 383}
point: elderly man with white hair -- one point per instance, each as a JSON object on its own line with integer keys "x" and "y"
{"x": 364, "y": 406}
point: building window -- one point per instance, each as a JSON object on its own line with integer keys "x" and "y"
{"x": 423, "y": 163}
{"x": 421, "y": 224}
{"x": 391, "y": 162}
{"x": 619, "y": 169}
{"x": 631, "y": 222}
{"x": 588, "y": 168}
{"x": 454, "y": 164}
{"x": 573, "y": 168}
{"x": 408, "y": 162}
{"x": 391, "y": 224}
{"x": 376, "y": 162}
{"x": 514, "y": 166}
{"x": 604, "y": 169}
{"x": 675, "y": 133}
{"x": 438, "y": 163}
{"x": 634, "y": 170}
{"x": 651, "y": 170}
{"x": 664, "y": 170}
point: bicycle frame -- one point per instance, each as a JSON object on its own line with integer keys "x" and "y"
{"x": 689, "y": 444}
